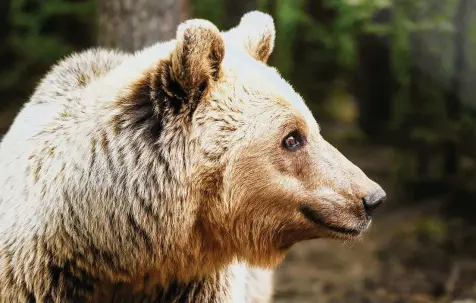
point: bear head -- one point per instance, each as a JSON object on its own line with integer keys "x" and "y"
{"x": 259, "y": 173}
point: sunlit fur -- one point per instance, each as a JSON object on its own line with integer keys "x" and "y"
{"x": 161, "y": 175}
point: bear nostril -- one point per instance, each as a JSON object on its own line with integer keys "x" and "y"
{"x": 372, "y": 201}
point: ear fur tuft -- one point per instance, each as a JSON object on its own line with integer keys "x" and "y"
{"x": 255, "y": 33}
{"x": 197, "y": 57}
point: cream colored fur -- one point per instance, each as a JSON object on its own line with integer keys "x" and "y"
{"x": 161, "y": 175}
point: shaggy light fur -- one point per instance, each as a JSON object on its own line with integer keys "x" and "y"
{"x": 161, "y": 175}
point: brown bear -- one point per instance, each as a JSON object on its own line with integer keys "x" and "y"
{"x": 171, "y": 174}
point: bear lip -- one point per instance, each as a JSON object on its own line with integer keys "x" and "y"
{"x": 312, "y": 215}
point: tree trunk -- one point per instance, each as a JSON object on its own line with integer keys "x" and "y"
{"x": 317, "y": 68}
{"x": 133, "y": 24}
{"x": 374, "y": 83}
{"x": 453, "y": 98}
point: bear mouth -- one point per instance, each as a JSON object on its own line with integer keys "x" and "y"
{"x": 312, "y": 215}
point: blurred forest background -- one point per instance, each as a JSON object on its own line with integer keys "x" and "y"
{"x": 393, "y": 85}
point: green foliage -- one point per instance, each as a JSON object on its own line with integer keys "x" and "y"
{"x": 352, "y": 18}
{"x": 288, "y": 15}
{"x": 213, "y": 10}
{"x": 39, "y": 33}
{"x": 400, "y": 33}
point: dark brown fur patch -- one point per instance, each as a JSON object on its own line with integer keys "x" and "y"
{"x": 263, "y": 50}
{"x": 141, "y": 112}
{"x": 104, "y": 142}
{"x": 140, "y": 231}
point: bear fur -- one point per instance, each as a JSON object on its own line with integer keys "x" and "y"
{"x": 161, "y": 175}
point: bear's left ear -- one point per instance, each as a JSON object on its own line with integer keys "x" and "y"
{"x": 255, "y": 34}
{"x": 194, "y": 62}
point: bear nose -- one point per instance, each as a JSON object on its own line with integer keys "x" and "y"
{"x": 372, "y": 201}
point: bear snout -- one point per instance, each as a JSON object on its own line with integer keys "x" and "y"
{"x": 316, "y": 217}
{"x": 374, "y": 200}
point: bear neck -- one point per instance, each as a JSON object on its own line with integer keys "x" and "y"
{"x": 142, "y": 146}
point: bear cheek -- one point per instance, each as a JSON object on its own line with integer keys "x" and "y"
{"x": 267, "y": 219}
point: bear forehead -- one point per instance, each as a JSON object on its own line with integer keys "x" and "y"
{"x": 265, "y": 84}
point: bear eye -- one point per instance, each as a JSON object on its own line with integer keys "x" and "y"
{"x": 293, "y": 141}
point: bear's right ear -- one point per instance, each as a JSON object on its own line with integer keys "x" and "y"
{"x": 255, "y": 34}
{"x": 194, "y": 62}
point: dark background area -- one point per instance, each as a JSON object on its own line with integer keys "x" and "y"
{"x": 393, "y": 85}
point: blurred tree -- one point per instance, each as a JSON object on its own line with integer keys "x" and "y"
{"x": 34, "y": 35}
{"x": 314, "y": 67}
{"x": 5, "y": 49}
{"x": 287, "y": 16}
{"x": 236, "y": 9}
{"x": 213, "y": 10}
{"x": 4, "y": 10}
{"x": 374, "y": 70}
{"x": 267, "y": 6}
{"x": 453, "y": 98}
{"x": 132, "y": 24}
